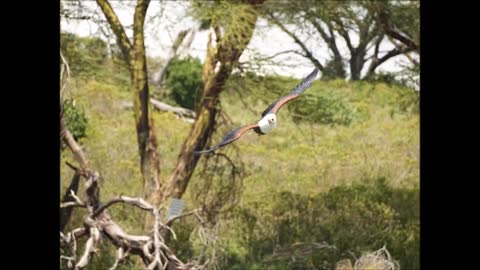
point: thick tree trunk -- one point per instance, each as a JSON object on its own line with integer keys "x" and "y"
{"x": 147, "y": 142}
{"x": 228, "y": 51}
{"x": 147, "y": 145}
{"x": 356, "y": 64}
{"x": 134, "y": 55}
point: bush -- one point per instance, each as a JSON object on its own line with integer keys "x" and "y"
{"x": 184, "y": 81}
{"x": 85, "y": 55}
{"x": 315, "y": 232}
{"x": 409, "y": 100}
{"x": 75, "y": 119}
{"x": 366, "y": 217}
{"x": 326, "y": 107}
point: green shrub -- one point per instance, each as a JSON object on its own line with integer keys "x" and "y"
{"x": 85, "y": 55}
{"x": 326, "y": 107}
{"x": 315, "y": 232}
{"x": 75, "y": 119}
{"x": 184, "y": 81}
{"x": 408, "y": 101}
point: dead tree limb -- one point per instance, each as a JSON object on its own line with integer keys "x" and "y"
{"x": 98, "y": 225}
{"x": 182, "y": 113}
{"x": 66, "y": 136}
{"x": 76, "y": 203}
{"x": 69, "y": 201}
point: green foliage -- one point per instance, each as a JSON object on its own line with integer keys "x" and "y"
{"x": 88, "y": 57}
{"x": 184, "y": 81}
{"x": 386, "y": 77}
{"x": 334, "y": 69}
{"x": 314, "y": 232}
{"x": 405, "y": 16}
{"x": 85, "y": 55}
{"x": 75, "y": 119}
{"x": 325, "y": 108}
{"x": 409, "y": 101}
{"x": 234, "y": 17}
{"x": 366, "y": 217}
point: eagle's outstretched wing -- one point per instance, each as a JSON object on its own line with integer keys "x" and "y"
{"x": 230, "y": 137}
{"x": 300, "y": 88}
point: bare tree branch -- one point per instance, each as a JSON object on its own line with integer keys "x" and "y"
{"x": 402, "y": 38}
{"x": 77, "y": 202}
{"x": 377, "y": 62}
{"x": 392, "y": 32}
{"x": 279, "y": 53}
{"x": 139, "y": 202}
{"x": 90, "y": 248}
{"x": 99, "y": 221}
{"x": 344, "y": 33}
{"x": 415, "y": 62}
{"x": 308, "y": 53}
{"x": 151, "y": 248}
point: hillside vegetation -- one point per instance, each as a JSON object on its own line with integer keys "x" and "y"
{"x": 338, "y": 177}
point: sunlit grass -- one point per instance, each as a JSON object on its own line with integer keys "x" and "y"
{"x": 301, "y": 158}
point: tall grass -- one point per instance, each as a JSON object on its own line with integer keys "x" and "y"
{"x": 290, "y": 174}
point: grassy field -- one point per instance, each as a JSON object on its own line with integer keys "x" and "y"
{"x": 287, "y": 176}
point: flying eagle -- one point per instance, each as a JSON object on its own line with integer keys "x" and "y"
{"x": 269, "y": 117}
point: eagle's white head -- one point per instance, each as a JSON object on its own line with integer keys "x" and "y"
{"x": 267, "y": 123}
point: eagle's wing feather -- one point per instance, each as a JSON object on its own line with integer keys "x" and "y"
{"x": 230, "y": 137}
{"x": 300, "y": 88}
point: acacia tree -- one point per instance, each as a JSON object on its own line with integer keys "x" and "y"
{"x": 233, "y": 30}
{"x": 335, "y": 22}
{"x": 231, "y": 27}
